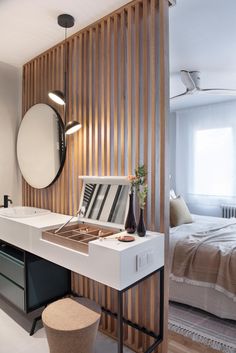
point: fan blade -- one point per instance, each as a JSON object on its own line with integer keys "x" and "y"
{"x": 195, "y": 76}
{"x": 187, "y": 80}
{"x": 220, "y": 91}
{"x": 180, "y": 95}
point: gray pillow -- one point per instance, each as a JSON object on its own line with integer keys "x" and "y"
{"x": 179, "y": 212}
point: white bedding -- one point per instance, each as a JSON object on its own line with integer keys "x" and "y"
{"x": 201, "y": 297}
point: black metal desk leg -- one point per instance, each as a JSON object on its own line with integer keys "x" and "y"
{"x": 162, "y": 274}
{"x": 34, "y": 324}
{"x": 120, "y": 322}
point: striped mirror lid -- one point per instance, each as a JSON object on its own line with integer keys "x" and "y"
{"x": 104, "y": 200}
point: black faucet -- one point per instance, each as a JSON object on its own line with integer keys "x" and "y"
{"x": 6, "y": 200}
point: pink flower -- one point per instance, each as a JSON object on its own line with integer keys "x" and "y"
{"x": 132, "y": 178}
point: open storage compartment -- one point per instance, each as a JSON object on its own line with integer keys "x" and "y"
{"x": 77, "y": 236}
{"x": 103, "y": 200}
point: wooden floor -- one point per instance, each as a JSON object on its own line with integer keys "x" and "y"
{"x": 180, "y": 344}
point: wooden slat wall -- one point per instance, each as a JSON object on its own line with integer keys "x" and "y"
{"x": 117, "y": 90}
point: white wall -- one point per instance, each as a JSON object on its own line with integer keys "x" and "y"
{"x": 10, "y": 105}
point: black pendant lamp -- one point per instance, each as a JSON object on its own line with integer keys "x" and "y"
{"x": 65, "y": 21}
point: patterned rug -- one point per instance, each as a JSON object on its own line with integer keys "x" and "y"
{"x": 203, "y": 327}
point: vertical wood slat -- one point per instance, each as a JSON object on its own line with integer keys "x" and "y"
{"x": 57, "y": 186}
{"x": 41, "y": 69}
{"x": 122, "y": 92}
{"x": 96, "y": 109}
{"x": 90, "y": 97}
{"x": 137, "y": 82}
{"x": 23, "y": 111}
{"x": 145, "y": 84}
{"x": 163, "y": 209}
{"x": 146, "y": 92}
{"x": 130, "y": 57}
{"x": 153, "y": 108}
{"x": 26, "y": 108}
{"x": 102, "y": 90}
{"x": 70, "y": 159}
{"x": 80, "y": 136}
{"x": 85, "y": 117}
{"x": 62, "y": 194}
{"x": 52, "y": 191}
{"x": 33, "y": 192}
{"x": 108, "y": 95}
{"x": 115, "y": 93}
{"x": 44, "y": 90}
{"x": 115, "y": 84}
{"x": 73, "y": 70}
{"x": 129, "y": 89}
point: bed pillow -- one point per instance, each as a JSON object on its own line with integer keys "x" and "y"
{"x": 179, "y": 212}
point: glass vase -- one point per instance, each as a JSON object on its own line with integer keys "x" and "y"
{"x": 141, "y": 229}
{"x": 130, "y": 223}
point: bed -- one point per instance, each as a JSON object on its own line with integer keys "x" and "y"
{"x": 185, "y": 245}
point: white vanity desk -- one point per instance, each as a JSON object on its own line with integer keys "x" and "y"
{"x": 109, "y": 261}
{"x": 113, "y": 263}
{"x": 116, "y": 264}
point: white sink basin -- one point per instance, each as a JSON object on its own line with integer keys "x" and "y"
{"x": 22, "y": 212}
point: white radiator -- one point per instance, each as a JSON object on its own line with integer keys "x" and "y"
{"x": 228, "y": 211}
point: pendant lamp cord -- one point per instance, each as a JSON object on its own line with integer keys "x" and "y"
{"x": 65, "y": 75}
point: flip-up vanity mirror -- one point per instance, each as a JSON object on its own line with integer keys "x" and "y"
{"x": 104, "y": 199}
{"x": 41, "y": 146}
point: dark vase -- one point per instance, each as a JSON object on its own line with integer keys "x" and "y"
{"x": 141, "y": 229}
{"x": 130, "y": 223}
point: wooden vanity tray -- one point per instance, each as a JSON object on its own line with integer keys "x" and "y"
{"x": 77, "y": 236}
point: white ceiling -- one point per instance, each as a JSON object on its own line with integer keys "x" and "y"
{"x": 202, "y": 35}
{"x": 203, "y": 38}
{"x": 29, "y": 27}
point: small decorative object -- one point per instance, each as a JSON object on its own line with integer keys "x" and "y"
{"x": 141, "y": 229}
{"x": 126, "y": 238}
{"x": 142, "y": 190}
{"x": 130, "y": 223}
{"x": 100, "y": 233}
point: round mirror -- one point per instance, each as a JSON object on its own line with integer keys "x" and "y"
{"x": 41, "y": 146}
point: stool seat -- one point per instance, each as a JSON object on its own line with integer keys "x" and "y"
{"x": 71, "y": 325}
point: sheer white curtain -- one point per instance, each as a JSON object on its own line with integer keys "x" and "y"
{"x": 206, "y": 157}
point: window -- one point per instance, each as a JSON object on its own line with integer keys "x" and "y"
{"x": 213, "y": 162}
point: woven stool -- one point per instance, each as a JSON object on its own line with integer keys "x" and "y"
{"x": 71, "y": 325}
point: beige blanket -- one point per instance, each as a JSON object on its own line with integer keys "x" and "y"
{"x": 208, "y": 258}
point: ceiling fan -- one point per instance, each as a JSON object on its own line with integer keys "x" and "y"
{"x": 192, "y": 79}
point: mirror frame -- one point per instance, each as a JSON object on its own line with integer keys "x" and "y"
{"x": 62, "y": 138}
